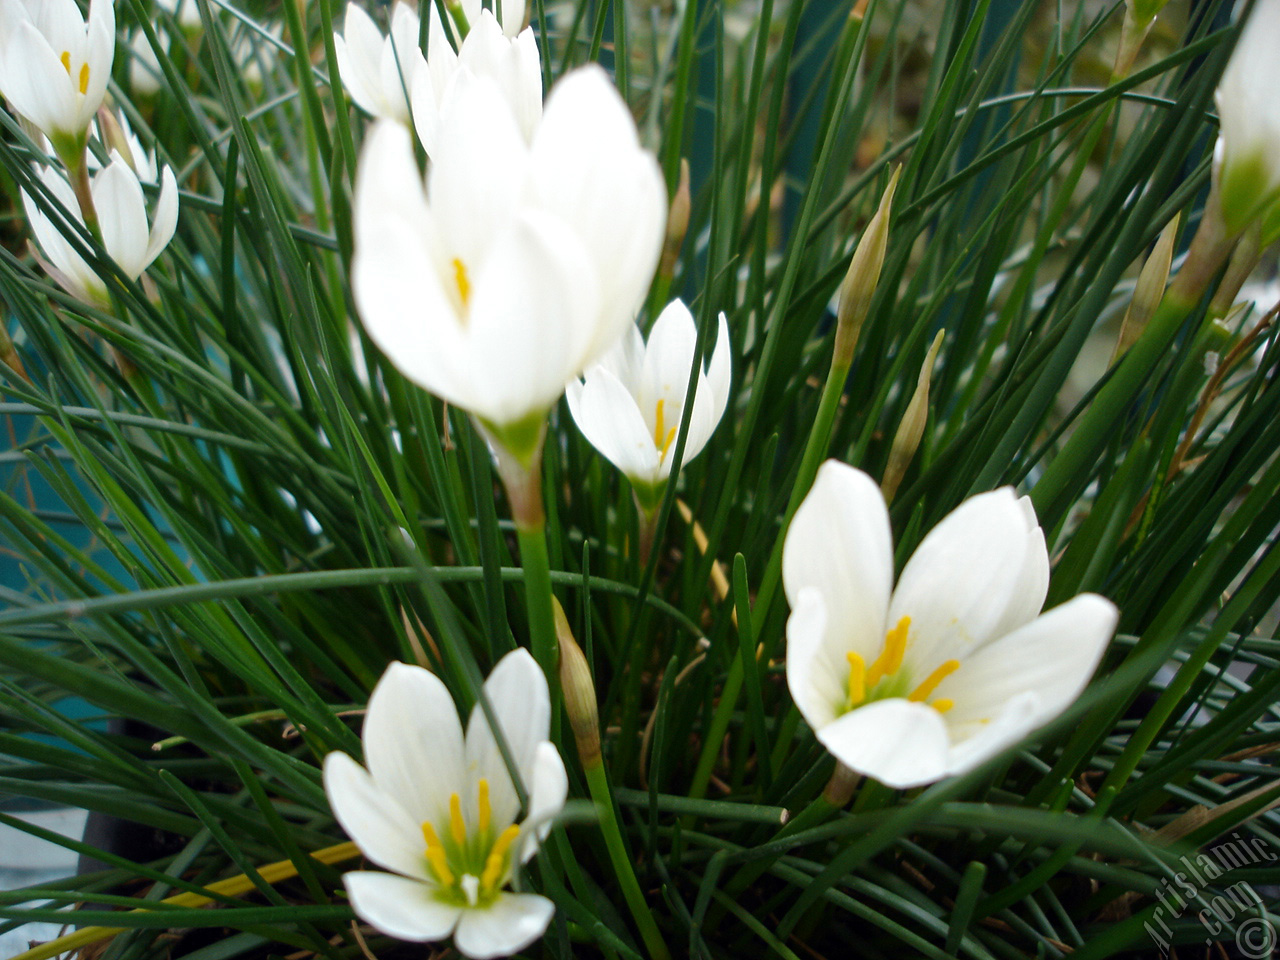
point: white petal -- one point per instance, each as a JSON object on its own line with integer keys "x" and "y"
{"x": 359, "y": 50}
{"x": 99, "y": 55}
{"x": 36, "y": 84}
{"x": 477, "y": 176}
{"x": 379, "y": 825}
{"x": 512, "y": 16}
{"x": 166, "y": 217}
{"x": 959, "y": 586}
{"x": 526, "y": 80}
{"x": 588, "y": 168}
{"x": 399, "y": 907}
{"x": 122, "y": 216}
{"x": 413, "y": 741}
{"x": 1053, "y": 656}
{"x": 817, "y": 675}
{"x": 608, "y": 417}
{"x": 1009, "y": 724}
{"x": 547, "y": 795}
{"x": 426, "y": 109}
{"x": 533, "y": 306}
{"x": 899, "y": 743}
{"x": 517, "y": 692}
{"x": 510, "y": 923}
{"x": 711, "y": 397}
{"x": 668, "y": 360}
{"x": 395, "y": 277}
{"x": 839, "y": 544}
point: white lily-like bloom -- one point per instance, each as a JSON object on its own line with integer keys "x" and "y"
{"x": 1249, "y": 113}
{"x": 913, "y": 683}
{"x": 630, "y": 404}
{"x": 496, "y": 52}
{"x": 146, "y": 77}
{"x": 438, "y": 808}
{"x": 376, "y": 70}
{"x": 516, "y": 265}
{"x": 122, "y": 218}
{"x": 186, "y": 12}
{"x": 54, "y": 66}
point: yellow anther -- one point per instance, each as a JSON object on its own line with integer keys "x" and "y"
{"x": 66, "y": 61}
{"x": 482, "y": 822}
{"x": 436, "y": 857}
{"x": 890, "y": 660}
{"x": 857, "y": 679}
{"x": 457, "y": 826}
{"x": 84, "y": 78}
{"x": 495, "y": 864}
{"x": 943, "y": 705}
{"x": 462, "y": 280}
{"x": 659, "y": 425}
{"x": 921, "y": 693}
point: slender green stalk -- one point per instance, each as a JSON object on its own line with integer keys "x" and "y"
{"x": 538, "y": 596}
{"x": 598, "y": 784}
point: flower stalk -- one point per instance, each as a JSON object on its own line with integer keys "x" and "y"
{"x": 580, "y": 705}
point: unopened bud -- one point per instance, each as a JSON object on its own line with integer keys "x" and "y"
{"x": 1270, "y": 232}
{"x": 113, "y": 136}
{"x": 864, "y": 274}
{"x": 1149, "y": 290}
{"x": 677, "y": 224}
{"x": 579, "y": 692}
{"x": 1244, "y": 260}
{"x": 911, "y": 428}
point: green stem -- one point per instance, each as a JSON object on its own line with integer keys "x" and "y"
{"x": 814, "y": 452}
{"x": 537, "y": 598}
{"x": 598, "y": 784}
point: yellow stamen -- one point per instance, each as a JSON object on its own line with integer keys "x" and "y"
{"x": 890, "y": 660}
{"x": 66, "y": 61}
{"x": 659, "y": 423}
{"x": 436, "y": 858}
{"x": 857, "y": 679}
{"x": 495, "y": 863}
{"x": 457, "y": 826}
{"x": 921, "y": 693}
{"x": 84, "y": 77}
{"x": 483, "y": 803}
{"x": 943, "y": 705}
{"x": 463, "y": 281}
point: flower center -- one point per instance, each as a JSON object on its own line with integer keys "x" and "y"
{"x": 662, "y": 437}
{"x": 84, "y": 70}
{"x": 470, "y": 866}
{"x": 886, "y": 677}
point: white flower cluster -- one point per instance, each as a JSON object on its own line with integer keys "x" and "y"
{"x": 54, "y": 67}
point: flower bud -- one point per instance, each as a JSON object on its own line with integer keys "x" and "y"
{"x": 860, "y": 282}
{"x": 911, "y": 428}
{"x": 1249, "y": 113}
{"x": 677, "y": 224}
{"x": 579, "y": 692}
{"x": 1149, "y": 290}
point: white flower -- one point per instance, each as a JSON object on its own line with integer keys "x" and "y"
{"x": 511, "y": 61}
{"x": 439, "y": 809}
{"x": 1249, "y": 113}
{"x": 632, "y": 402}
{"x": 517, "y": 264}
{"x": 376, "y": 70}
{"x": 186, "y": 12}
{"x": 122, "y": 218}
{"x": 911, "y": 684}
{"x": 145, "y": 74}
{"x": 54, "y": 66}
